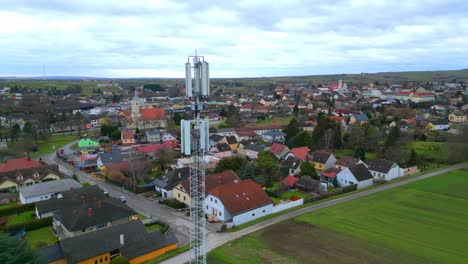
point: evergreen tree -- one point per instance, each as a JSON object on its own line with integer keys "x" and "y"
{"x": 16, "y": 250}
{"x": 338, "y": 140}
{"x": 392, "y": 137}
{"x": 292, "y": 129}
{"x": 307, "y": 169}
{"x": 414, "y": 159}
{"x": 15, "y": 131}
{"x": 360, "y": 153}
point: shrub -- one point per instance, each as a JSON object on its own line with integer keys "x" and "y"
{"x": 272, "y": 193}
{"x": 173, "y": 203}
{"x": 32, "y": 224}
{"x": 349, "y": 188}
{"x": 20, "y": 208}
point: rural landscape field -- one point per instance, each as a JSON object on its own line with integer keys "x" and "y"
{"x": 421, "y": 222}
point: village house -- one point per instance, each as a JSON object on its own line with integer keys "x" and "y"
{"x": 323, "y": 159}
{"x": 252, "y": 151}
{"x": 347, "y": 161}
{"x": 273, "y": 136}
{"x": 130, "y": 240}
{"x": 166, "y": 183}
{"x": 237, "y": 202}
{"x": 181, "y": 191}
{"x": 458, "y": 117}
{"x": 46, "y": 190}
{"x": 153, "y": 136}
{"x": 307, "y": 184}
{"x": 108, "y": 157}
{"x": 293, "y": 164}
{"x": 328, "y": 177}
{"x": 12, "y": 180}
{"x": 385, "y": 169}
{"x": 355, "y": 174}
{"x": 301, "y": 153}
{"x": 279, "y": 150}
{"x": 127, "y": 136}
{"x": 358, "y": 119}
{"x": 222, "y": 150}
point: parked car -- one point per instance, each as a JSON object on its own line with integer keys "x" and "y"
{"x": 123, "y": 199}
{"x": 106, "y": 192}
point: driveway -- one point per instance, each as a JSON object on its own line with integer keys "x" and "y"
{"x": 215, "y": 240}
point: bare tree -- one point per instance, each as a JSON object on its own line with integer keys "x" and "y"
{"x": 165, "y": 157}
{"x": 138, "y": 170}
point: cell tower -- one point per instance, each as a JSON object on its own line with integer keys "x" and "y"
{"x": 195, "y": 143}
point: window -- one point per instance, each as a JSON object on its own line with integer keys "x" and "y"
{"x": 83, "y": 230}
{"x": 219, "y": 213}
{"x": 211, "y": 199}
{"x": 178, "y": 195}
{"x": 105, "y": 259}
{"x": 100, "y": 260}
{"x": 19, "y": 178}
{"x": 216, "y": 201}
{"x": 185, "y": 197}
{"x": 207, "y": 207}
{"x": 253, "y": 214}
{"x": 263, "y": 210}
{"x": 95, "y": 262}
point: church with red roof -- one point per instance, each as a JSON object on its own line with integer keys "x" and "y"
{"x": 146, "y": 116}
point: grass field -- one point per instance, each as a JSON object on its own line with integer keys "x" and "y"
{"x": 21, "y": 217}
{"x": 421, "y": 222}
{"x": 349, "y": 152}
{"x": 41, "y": 237}
{"x": 47, "y": 146}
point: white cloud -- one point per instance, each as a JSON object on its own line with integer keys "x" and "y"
{"x": 242, "y": 38}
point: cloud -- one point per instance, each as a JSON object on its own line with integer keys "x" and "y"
{"x": 239, "y": 38}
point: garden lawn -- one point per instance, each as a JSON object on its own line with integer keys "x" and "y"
{"x": 21, "y": 217}
{"x": 157, "y": 226}
{"x": 421, "y": 222}
{"x": 58, "y": 141}
{"x": 41, "y": 237}
{"x": 349, "y": 152}
{"x": 8, "y": 205}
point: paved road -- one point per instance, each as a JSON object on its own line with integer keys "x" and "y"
{"x": 217, "y": 239}
{"x": 179, "y": 222}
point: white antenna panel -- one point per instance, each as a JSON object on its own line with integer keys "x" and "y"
{"x": 205, "y": 79}
{"x": 188, "y": 79}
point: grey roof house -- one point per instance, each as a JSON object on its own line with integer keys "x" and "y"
{"x": 109, "y": 157}
{"x": 166, "y": 183}
{"x": 46, "y": 190}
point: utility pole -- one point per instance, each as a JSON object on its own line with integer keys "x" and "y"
{"x": 195, "y": 144}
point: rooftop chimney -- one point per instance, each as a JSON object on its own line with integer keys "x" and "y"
{"x": 90, "y": 211}
{"x": 122, "y": 240}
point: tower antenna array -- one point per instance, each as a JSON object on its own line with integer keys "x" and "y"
{"x": 195, "y": 143}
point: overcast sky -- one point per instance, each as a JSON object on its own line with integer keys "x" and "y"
{"x": 111, "y": 38}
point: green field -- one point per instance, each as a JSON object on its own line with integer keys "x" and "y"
{"x": 52, "y": 144}
{"x": 21, "y": 217}
{"x": 421, "y": 222}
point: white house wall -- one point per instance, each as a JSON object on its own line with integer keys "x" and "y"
{"x": 345, "y": 178}
{"x": 365, "y": 183}
{"x": 252, "y": 214}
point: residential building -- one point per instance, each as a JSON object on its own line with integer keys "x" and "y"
{"x": 289, "y": 181}
{"x": 46, "y": 190}
{"x": 458, "y": 117}
{"x": 279, "y": 150}
{"x": 226, "y": 132}
{"x": 233, "y": 143}
{"x": 153, "y": 136}
{"x": 385, "y": 169}
{"x": 167, "y": 182}
{"x": 301, "y": 153}
{"x": 273, "y": 136}
{"x": 127, "y": 136}
{"x": 323, "y": 159}
{"x": 12, "y": 180}
{"x": 355, "y": 174}
{"x": 146, "y": 118}
{"x": 79, "y": 211}
{"x": 437, "y": 126}
{"x": 307, "y": 184}
{"x": 181, "y": 191}
{"x": 293, "y": 164}
{"x": 358, "y": 119}
{"x": 222, "y": 150}
{"x": 109, "y": 157}
{"x": 238, "y": 202}
{"x": 130, "y": 239}
{"x": 252, "y": 151}
{"x": 328, "y": 177}
{"x": 87, "y": 143}
{"x": 347, "y": 161}
{"x": 19, "y": 164}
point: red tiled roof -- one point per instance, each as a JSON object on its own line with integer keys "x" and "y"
{"x": 154, "y": 147}
{"x": 290, "y": 180}
{"x": 125, "y": 112}
{"x": 241, "y": 197}
{"x": 20, "y": 163}
{"x": 277, "y": 148}
{"x": 127, "y": 134}
{"x": 214, "y": 180}
{"x": 300, "y": 153}
{"x": 245, "y": 132}
{"x": 153, "y": 114}
{"x": 337, "y": 118}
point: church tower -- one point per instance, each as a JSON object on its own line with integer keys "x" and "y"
{"x": 136, "y": 109}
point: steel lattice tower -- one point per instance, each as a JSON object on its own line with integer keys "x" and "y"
{"x": 195, "y": 143}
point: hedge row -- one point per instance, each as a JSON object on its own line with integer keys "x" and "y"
{"x": 20, "y": 208}
{"x": 32, "y": 224}
{"x": 331, "y": 193}
{"x": 272, "y": 193}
